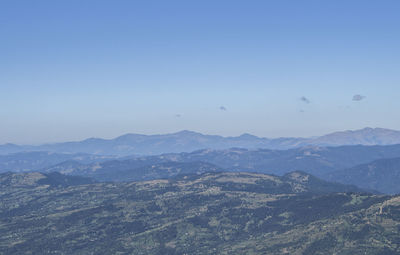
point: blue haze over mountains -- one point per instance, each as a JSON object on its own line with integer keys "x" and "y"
{"x": 187, "y": 141}
{"x": 367, "y": 158}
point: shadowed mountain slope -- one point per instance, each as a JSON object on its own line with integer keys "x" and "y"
{"x": 314, "y": 160}
{"x": 382, "y": 175}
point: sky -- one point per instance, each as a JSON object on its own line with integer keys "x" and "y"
{"x": 75, "y": 69}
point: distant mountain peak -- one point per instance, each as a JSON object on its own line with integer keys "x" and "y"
{"x": 188, "y": 141}
{"x": 365, "y": 136}
{"x": 248, "y": 136}
{"x": 187, "y": 132}
{"x": 92, "y": 139}
{"x": 366, "y": 129}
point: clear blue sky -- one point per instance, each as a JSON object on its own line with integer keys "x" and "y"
{"x": 74, "y": 69}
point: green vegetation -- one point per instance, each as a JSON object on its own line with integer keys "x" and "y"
{"x": 213, "y": 213}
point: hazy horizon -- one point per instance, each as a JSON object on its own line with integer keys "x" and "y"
{"x": 178, "y": 131}
{"x": 77, "y": 69}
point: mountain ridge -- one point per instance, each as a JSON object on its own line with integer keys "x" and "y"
{"x": 318, "y": 161}
{"x": 186, "y": 141}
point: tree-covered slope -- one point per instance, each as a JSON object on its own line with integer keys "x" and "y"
{"x": 213, "y": 213}
{"x": 382, "y": 175}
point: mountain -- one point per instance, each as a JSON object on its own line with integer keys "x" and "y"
{"x": 186, "y": 141}
{"x": 212, "y": 213}
{"x": 10, "y": 148}
{"x": 366, "y": 136}
{"x": 312, "y": 184}
{"x": 35, "y": 179}
{"x": 382, "y": 175}
{"x": 132, "y": 170}
{"x": 35, "y": 160}
{"x": 149, "y": 144}
{"x": 314, "y": 160}
{"x": 311, "y": 159}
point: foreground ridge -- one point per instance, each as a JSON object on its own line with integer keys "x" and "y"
{"x": 211, "y": 213}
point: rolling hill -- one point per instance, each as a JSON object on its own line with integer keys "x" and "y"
{"x": 212, "y": 213}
